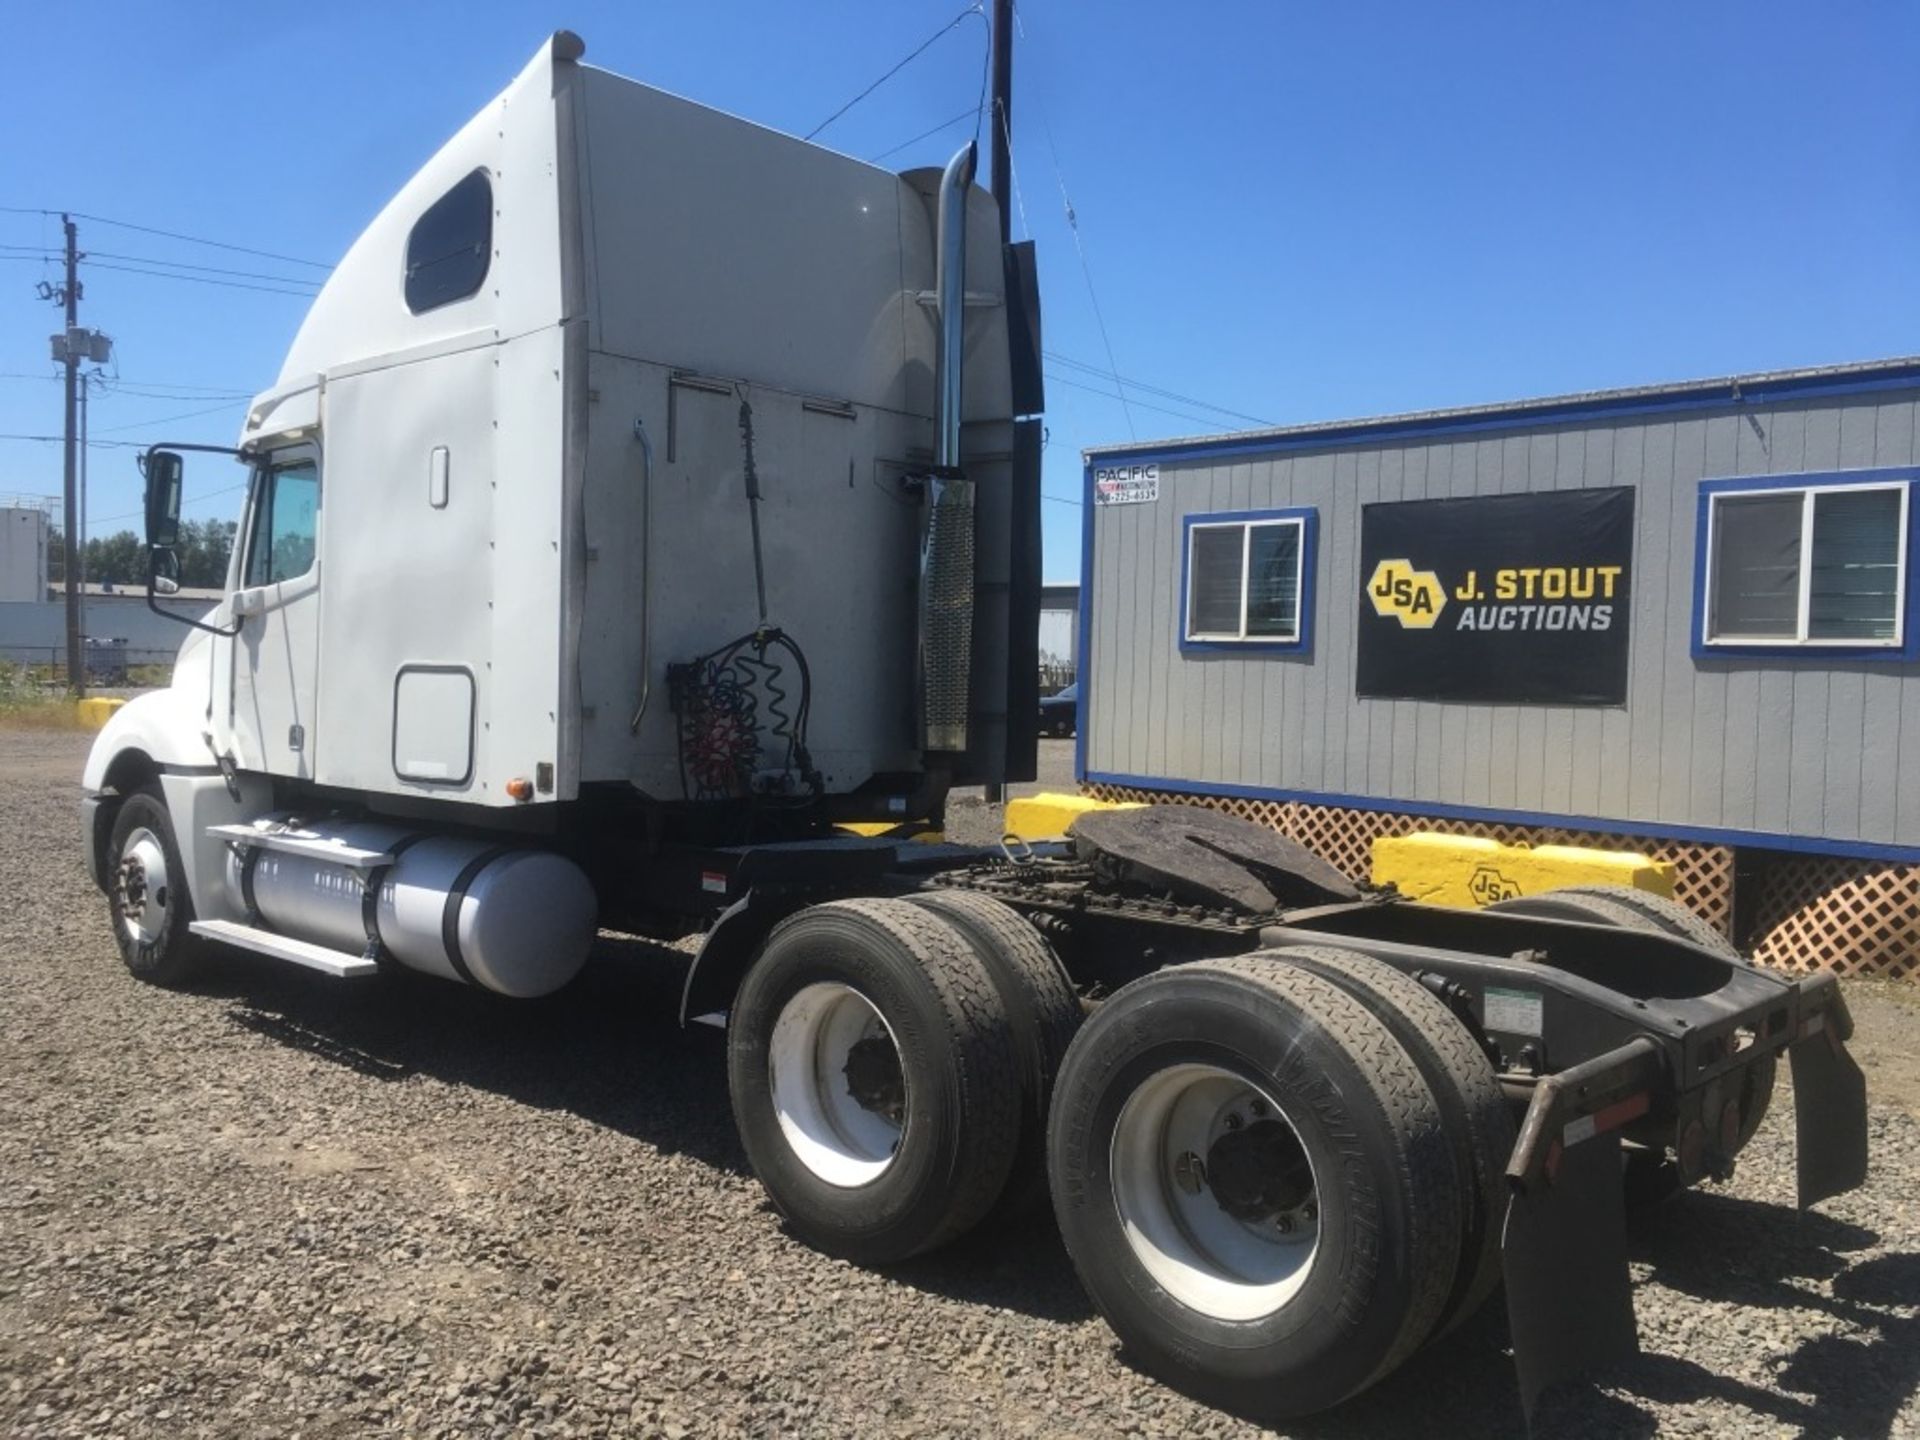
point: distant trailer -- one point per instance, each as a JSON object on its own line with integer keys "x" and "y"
{"x": 1680, "y": 615}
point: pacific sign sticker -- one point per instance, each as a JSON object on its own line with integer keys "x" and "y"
{"x": 1503, "y": 599}
{"x": 1126, "y": 484}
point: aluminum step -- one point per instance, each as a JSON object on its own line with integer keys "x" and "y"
{"x": 302, "y": 842}
{"x": 337, "y": 963}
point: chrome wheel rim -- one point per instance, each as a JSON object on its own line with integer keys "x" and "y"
{"x": 839, "y": 1090}
{"x": 143, "y": 892}
{"x": 1216, "y": 1194}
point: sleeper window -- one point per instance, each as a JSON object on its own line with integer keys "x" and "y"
{"x": 451, "y": 246}
{"x": 1820, "y": 565}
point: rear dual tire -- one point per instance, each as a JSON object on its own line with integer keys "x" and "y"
{"x": 890, "y": 1063}
{"x": 1203, "y": 1116}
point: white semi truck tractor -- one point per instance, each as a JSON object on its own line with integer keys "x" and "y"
{"x": 648, "y": 497}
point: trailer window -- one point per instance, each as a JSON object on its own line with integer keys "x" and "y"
{"x": 286, "y": 523}
{"x": 1806, "y": 566}
{"x": 1247, "y": 579}
{"x": 451, "y": 246}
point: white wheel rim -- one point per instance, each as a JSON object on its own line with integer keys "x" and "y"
{"x": 846, "y": 1141}
{"x": 1226, "y": 1266}
{"x": 142, "y": 890}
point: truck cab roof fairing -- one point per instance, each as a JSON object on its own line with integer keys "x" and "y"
{"x": 361, "y": 313}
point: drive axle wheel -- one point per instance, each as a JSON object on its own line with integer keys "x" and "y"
{"x": 1043, "y": 1011}
{"x": 874, "y": 1079}
{"x": 1215, "y": 1192}
{"x": 147, "y": 897}
{"x": 1255, "y": 1183}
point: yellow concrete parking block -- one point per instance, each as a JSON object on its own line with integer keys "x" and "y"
{"x": 96, "y": 710}
{"x": 1047, "y": 816}
{"x": 1468, "y": 871}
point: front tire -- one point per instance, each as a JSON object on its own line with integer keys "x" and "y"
{"x": 147, "y": 898}
{"x": 1255, "y": 1184}
{"x": 874, "y": 1079}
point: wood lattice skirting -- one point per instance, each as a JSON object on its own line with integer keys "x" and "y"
{"x": 1854, "y": 917}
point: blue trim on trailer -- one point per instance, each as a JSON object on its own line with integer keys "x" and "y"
{"x": 1659, "y": 830}
{"x": 1302, "y": 643}
{"x": 1730, "y": 395}
{"x": 1083, "y": 668}
{"x": 1904, "y": 653}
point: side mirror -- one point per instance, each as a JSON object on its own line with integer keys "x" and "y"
{"x": 164, "y": 471}
{"x": 163, "y": 571}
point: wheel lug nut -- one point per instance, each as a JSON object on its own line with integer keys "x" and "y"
{"x": 1234, "y": 1122}
{"x": 1283, "y": 1223}
{"x": 1259, "y": 1107}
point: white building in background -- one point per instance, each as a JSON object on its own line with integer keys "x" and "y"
{"x": 24, "y": 533}
{"x": 1059, "y": 632}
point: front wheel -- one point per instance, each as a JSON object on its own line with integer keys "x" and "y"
{"x": 147, "y": 897}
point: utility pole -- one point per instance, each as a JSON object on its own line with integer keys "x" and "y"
{"x": 76, "y": 662}
{"x": 1001, "y": 115}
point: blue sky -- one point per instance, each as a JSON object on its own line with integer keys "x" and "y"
{"x": 1295, "y": 213}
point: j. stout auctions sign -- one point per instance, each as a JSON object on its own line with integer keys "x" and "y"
{"x": 1502, "y": 598}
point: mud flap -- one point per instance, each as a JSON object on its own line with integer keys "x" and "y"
{"x": 1829, "y": 1113}
{"x": 1564, "y": 1252}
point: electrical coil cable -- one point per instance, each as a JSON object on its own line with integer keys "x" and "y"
{"x": 731, "y": 706}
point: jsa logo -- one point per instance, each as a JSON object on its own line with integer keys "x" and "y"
{"x": 1413, "y": 597}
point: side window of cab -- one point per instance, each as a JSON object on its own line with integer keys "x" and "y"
{"x": 286, "y": 522}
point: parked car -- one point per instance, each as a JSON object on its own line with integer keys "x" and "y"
{"x": 1059, "y": 712}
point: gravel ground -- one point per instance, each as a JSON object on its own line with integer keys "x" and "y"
{"x": 280, "y": 1205}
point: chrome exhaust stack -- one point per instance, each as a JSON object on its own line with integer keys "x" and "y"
{"x": 946, "y": 549}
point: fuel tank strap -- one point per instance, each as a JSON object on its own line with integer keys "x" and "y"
{"x": 370, "y": 884}
{"x": 450, "y": 916}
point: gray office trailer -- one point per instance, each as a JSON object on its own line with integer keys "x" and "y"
{"x": 1767, "y": 692}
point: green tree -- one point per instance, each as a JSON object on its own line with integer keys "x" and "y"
{"x": 204, "y": 548}
{"x": 118, "y": 559}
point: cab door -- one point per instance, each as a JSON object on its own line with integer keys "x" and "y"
{"x": 276, "y": 608}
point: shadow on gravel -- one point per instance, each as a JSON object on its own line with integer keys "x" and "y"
{"x": 608, "y": 1048}
{"x": 1738, "y": 1252}
{"x": 1018, "y": 1263}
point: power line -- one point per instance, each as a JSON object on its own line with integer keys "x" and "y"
{"x": 1139, "y": 385}
{"x": 174, "y": 395}
{"x": 200, "y": 279}
{"x": 207, "y": 269}
{"x": 194, "y": 500}
{"x": 97, "y": 444}
{"x": 195, "y": 240}
{"x": 145, "y": 389}
{"x": 913, "y": 55}
{"x": 1073, "y": 224}
{"x": 1059, "y": 379}
{"x": 169, "y": 419}
{"x": 967, "y": 114}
